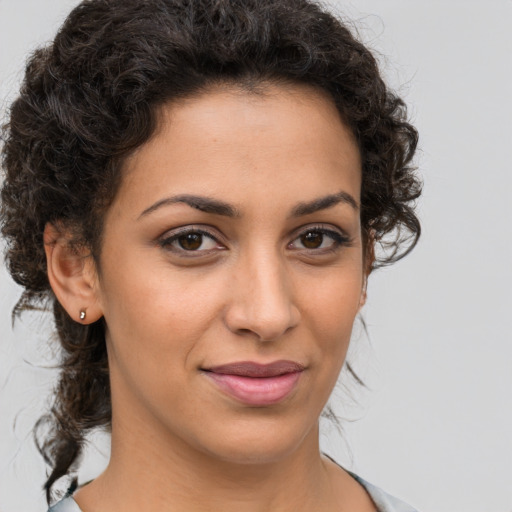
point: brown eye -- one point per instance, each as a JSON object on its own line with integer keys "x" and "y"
{"x": 312, "y": 239}
{"x": 318, "y": 240}
{"x": 190, "y": 241}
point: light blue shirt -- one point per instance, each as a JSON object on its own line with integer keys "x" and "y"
{"x": 383, "y": 501}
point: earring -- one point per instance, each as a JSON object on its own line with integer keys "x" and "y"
{"x": 82, "y": 314}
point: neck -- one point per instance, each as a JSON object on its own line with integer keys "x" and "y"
{"x": 147, "y": 475}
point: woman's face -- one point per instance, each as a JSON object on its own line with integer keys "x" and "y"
{"x": 231, "y": 273}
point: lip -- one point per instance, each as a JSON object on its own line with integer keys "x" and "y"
{"x": 254, "y": 383}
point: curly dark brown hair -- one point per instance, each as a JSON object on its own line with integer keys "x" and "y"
{"x": 92, "y": 97}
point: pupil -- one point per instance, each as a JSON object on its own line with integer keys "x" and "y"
{"x": 312, "y": 240}
{"x": 191, "y": 241}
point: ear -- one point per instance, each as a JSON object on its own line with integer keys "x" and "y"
{"x": 368, "y": 261}
{"x": 72, "y": 275}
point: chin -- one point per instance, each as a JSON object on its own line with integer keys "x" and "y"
{"x": 258, "y": 443}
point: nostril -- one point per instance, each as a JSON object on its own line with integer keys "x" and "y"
{"x": 263, "y": 329}
{"x": 245, "y": 331}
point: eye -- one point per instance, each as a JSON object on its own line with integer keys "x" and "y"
{"x": 191, "y": 240}
{"x": 319, "y": 239}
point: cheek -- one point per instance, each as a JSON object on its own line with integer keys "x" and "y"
{"x": 155, "y": 317}
{"x": 329, "y": 311}
{"x": 333, "y": 303}
{"x": 153, "y": 335}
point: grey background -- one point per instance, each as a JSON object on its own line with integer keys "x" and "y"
{"x": 435, "y": 426}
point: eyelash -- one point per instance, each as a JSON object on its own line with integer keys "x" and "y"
{"x": 338, "y": 240}
{"x": 166, "y": 242}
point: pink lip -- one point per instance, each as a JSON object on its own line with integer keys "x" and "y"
{"x": 257, "y": 384}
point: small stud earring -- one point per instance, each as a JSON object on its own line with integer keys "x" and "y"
{"x": 82, "y": 314}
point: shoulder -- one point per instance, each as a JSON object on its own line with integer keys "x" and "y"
{"x": 67, "y": 504}
{"x": 384, "y": 501}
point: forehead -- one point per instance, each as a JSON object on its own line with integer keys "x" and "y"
{"x": 284, "y": 140}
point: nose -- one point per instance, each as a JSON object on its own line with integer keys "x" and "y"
{"x": 261, "y": 299}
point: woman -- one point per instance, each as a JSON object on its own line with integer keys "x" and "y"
{"x": 197, "y": 188}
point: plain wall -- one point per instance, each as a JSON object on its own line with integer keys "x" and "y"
{"x": 435, "y": 425}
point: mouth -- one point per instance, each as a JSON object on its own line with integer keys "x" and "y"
{"x": 256, "y": 384}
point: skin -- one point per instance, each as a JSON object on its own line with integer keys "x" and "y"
{"x": 270, "y": 283}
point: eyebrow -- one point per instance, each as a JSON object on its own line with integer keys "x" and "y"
{"x": 204, "y": 204}
{"x": 322, "y": 203}
{"x": 210, "y": 205}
